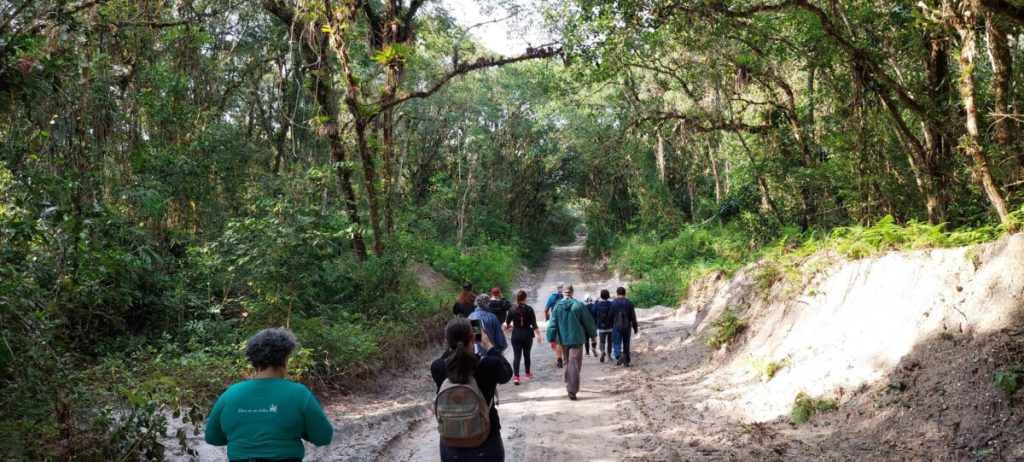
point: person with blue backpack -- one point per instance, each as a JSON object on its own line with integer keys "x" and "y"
{"x": 623, "y": 315}
{"x": 465, "y": 405}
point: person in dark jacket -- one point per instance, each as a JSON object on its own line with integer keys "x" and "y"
{"x": 602, "y": 316}
{"x": 523, "y": 321}
{"x": 621, "y": 303}
{"x": 588, "y": 303}
{"x": 457, "y": 364}
{"x": 498, "y": 305}
{"x": 464, "y": 303}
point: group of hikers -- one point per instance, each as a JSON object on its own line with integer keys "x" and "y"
{"x": 267, "y": 417}
{"x": 468, "y": 372}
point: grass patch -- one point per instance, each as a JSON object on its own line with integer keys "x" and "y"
{"x": 726, "y": 328}
{"x": 1008, "y": 379}
{"x": 804, "y": 407}
{"x": 765, "y": 368}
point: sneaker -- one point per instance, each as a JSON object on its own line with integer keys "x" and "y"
{"x": 559, "y": 362}
{"x": 618, "y": 362}
{"x": 515, "y": 379}
{"x": 572, "y": 396}
{"x": 602, "y": 357}
{"x": 529, "y": 375}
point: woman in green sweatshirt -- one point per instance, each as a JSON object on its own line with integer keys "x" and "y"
{"x": 267, "y": 417}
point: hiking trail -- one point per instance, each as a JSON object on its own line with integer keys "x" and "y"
{"x": 916, "y": 387}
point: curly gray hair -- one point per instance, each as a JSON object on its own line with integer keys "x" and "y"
{"x": 482, "y": 300}
{"x": 270, "y": 347}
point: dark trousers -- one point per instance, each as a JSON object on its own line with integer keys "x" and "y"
{"x": 625, "y": 346}
{"x": 605, "y": 339}
{"x": 522, "y": 343}
{"x": 493, "y": 450}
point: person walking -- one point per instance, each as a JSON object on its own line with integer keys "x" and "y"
{"x": 498, "y": 305}
{"x": 623, "y": 315}
{"x": 489, "y": 322}
{"x": 268, "y": 416}
{"x": 524, "y": 329}
{"x": 570, "y": 326}
{"x": 602, "y": 317}
{"x": 588, "y": 303}
{"x": 459, "y": 365}
{"x": 464, "y": 302}
{"x": 552, "y": 300}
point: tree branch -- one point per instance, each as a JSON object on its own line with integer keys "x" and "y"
{"x": 465, "y": 68}
{"x": 1005, "y": 9}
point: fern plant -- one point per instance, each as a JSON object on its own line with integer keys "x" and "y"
{"x": 726, "y": 327}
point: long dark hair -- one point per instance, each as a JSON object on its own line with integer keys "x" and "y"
{"x": 461, "y": 363}
{"x": 467, "y": 296}
{"x": 520, "y": 301}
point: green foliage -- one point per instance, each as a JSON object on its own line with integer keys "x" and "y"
{"x": 1008, "y": 379}
{"x": 725, "y": 329}
{"x": 484, "y": 266}
{"x": 660, "y": 286}
{"x": 765, "y": 368}
{"x": 804, "y": 407}
{"x": 885, "y": 235}
{"x": 666, "y": 268}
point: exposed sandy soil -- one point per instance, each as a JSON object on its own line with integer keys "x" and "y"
{"x": 907, "y": 342}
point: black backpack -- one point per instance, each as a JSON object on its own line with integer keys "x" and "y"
{"x": 621, "y": 321}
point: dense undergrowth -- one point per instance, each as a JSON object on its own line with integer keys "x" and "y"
{"x": 664, "y": 268}
{"x": 108, "y": 327}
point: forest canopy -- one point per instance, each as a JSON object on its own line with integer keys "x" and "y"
{"x": 176, "y": 174}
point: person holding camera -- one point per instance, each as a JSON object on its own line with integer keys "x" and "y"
{"x": 460, "y": 367}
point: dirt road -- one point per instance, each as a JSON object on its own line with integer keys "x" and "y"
{"x": 539, "y": 422}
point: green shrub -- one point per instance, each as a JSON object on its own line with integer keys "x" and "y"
{"x": 804, "y": 407}
{"x": 1008, "y": 379}
{"x": 485, "y": 265}
{"x": 661, "y": 286}
{"x": 766, "y": 368}
{"x": 725, "y": 328}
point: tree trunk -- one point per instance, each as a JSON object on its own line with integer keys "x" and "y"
{"x": 314, "y": 54}
{"x": 917, "y": 156}
{"x": 1002, "y": 78}
{"x": 762, "y": 183}
{"x": 369, "y": 176}
{"x": 963, "y": 16}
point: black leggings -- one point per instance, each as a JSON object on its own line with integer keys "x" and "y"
{"x": 522, "y": 342}
{"x": 493, "y": 450}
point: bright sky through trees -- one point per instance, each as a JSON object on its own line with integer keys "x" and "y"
{"x": 507, "y": 35}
